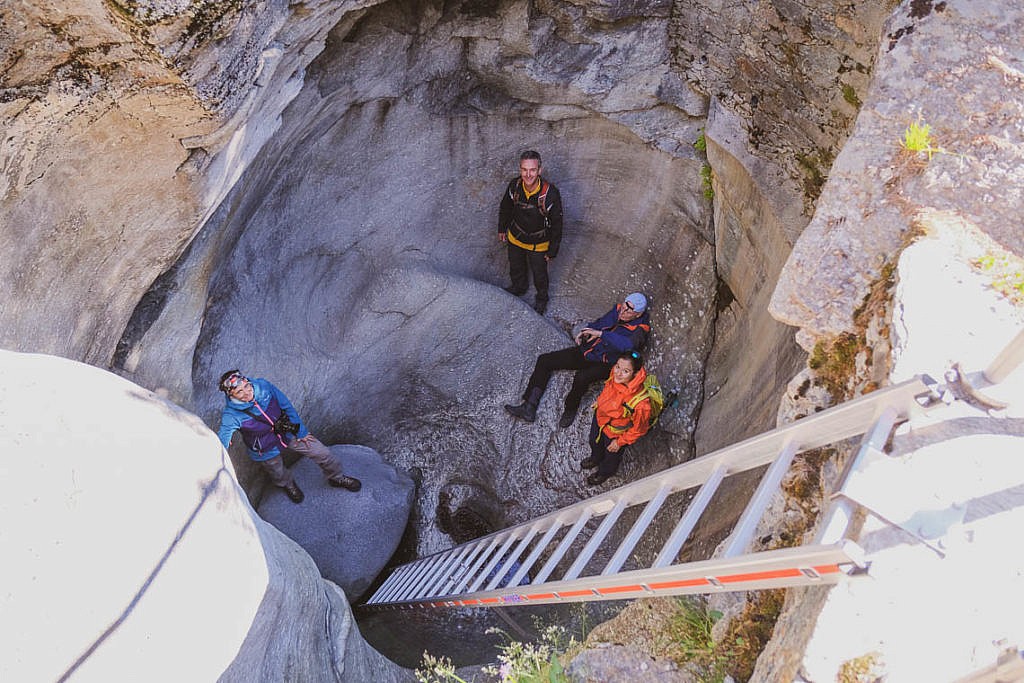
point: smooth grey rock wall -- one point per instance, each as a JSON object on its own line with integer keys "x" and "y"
{"x": 125, "y": 126}
{"x": 357, "y": 266}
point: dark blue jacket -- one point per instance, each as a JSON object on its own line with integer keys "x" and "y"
{"x": 617, "y": 337}
{"x": 257, "y": 432}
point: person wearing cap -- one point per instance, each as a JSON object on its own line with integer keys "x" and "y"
{"x": 598, "y": 346}
{"x": 270, "y": 425}
{"x": 530, "y": 223}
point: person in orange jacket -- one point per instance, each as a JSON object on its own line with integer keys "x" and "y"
{"x": 615, "y": 424}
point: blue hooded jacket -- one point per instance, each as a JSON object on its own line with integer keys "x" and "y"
{"x": 257, "y": 431}
{"x": 617, "y": 337}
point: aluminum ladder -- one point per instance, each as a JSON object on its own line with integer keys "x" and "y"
{"x": 488, "y": 571}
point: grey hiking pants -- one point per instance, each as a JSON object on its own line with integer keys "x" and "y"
{"x": 313, "y": 449}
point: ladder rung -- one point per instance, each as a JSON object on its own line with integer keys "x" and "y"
{"x": 476, "y": 565}
{"x": 689, "y": 520}
{"x": 770, "y": 483}
{"x": 456, "y": 573}
{"x": 841, "y": 514}
{"x": 442, "y": 574}
{"x": 534, "y": 554}
{"x": 507, "y": 562}
{"x": 459, "y": 580}
{"x": 495, "y": 559}
{"x": 595, "y": 541}
{"x": 637, "y": 531}
{"x": 409, "y": 581}
{"x": 434, "y": 566}
{"x": 567, "y": 540}
{"x": 393, "y": 583}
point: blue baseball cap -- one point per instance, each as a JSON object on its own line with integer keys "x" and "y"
{"x": 637, "y": 301}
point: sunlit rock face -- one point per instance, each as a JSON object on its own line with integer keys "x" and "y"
{"x": 128, "y": 542}
{"x": 880, "y": 196}
{"x": 124, "y": 125}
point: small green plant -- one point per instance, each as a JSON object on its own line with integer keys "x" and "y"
{"x": 918, "y": 138}
{"x": 706, "y": 174}
{"x": 691, "y": 643}
{"x": 533, "y": 663}
{"x": 693, "y": 629}
{"x": 1007, "y": 273}
{"x": 705, "y": 181}
{"x": 701, "y": 143}
{"x": 864, "y": 669}
{"x": 850, "y": 95}
{"x": 437, "y": 670}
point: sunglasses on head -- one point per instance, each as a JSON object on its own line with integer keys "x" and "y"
{"x": 233, "y": 382}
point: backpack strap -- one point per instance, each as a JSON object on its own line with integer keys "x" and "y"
{"x": 630, "y": 406}
{"x": 542, "y": 199}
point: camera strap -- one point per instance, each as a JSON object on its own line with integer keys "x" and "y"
{"x": 269, "y": 421}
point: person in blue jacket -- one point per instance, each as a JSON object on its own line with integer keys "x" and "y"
{"x": 598, "y": 346}
{"x": 269, "y": 425}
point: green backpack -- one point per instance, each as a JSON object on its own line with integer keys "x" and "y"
{"x": 652, "y": 390}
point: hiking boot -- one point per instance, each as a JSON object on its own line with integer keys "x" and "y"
{"x": 350, "y": 483}
{"x": 513, "y": 291}
{"x": 524, "y": 411}
{"x": 540, "y": 306}
{"x": 588, "y": 464}
{"x": 568, "y": 416}
{"x": 596, "y": 479}
{"x": 527, "y": 410}
{"x": 294, "y": 492}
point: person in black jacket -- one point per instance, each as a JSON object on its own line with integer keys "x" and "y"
{"x": 530, "y": 223}
{"x": 598, "y": 346}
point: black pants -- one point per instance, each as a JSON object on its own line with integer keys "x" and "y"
{"x": 607, "y": 463}
{"x": 520, "y": 262}
{"x": 587, "y": 372}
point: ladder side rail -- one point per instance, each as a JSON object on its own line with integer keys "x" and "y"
{"x": 785, "y": 567}
{"x": 492, "y": 563}
{"x": 443, "y": 573}
{"x": 595, "y": 541}
{"x": 689, "y": 519}
{"x": 752, "y": 514}
{"x": 479, "y": 562}
{"x": 534, "y": 555}
{"x": 507, "y": 562}
{"x": 636, "y": 531}
{"x": 563, "y": 546}
{"x": 840, "y": 515}
{"x": 1008, "y": 360}
{"x": 465, "y": 560}
{"x": 829, "y": 426}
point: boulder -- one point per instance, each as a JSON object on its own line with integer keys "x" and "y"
{"x": 131, "y": 553}
{"x": 349, "y": 535}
